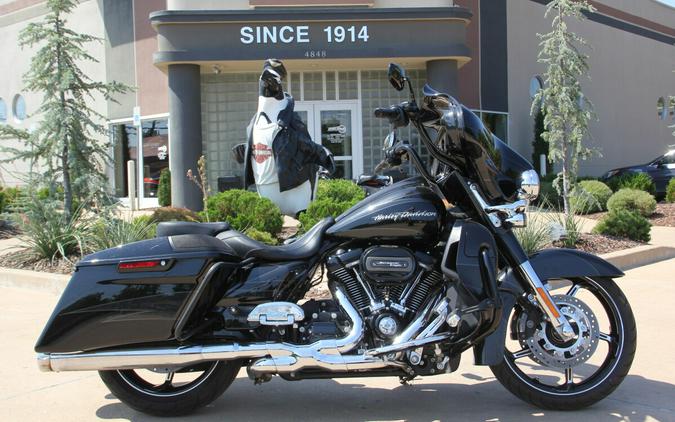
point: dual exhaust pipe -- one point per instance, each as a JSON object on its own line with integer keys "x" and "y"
{"x": 271, "y": 358}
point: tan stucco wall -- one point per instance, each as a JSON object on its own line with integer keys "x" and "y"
{"x": 244, "y": 4}
{"x": 86, "y": 18}
{"x": 629, "y": 73}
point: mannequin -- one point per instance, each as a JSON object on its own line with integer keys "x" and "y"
{"x": 265, "y": 127}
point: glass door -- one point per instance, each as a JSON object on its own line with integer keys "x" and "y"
{"x": 336, "y": 126}
{"x": 155, "y": 141}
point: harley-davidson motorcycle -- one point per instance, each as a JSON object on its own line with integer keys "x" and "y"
{"x": 420, "y": 271}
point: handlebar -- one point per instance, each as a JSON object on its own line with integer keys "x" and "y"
{"x": 391, "y": 113}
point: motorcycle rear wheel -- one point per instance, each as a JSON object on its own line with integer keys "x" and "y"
{"x": 620, "y": 339}
{"x": 138, "y": 390}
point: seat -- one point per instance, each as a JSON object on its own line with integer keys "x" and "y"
{"x": 304, "y": 247}
{"x": 175, "y": 228}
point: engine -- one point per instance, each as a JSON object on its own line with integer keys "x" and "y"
{"x": 387, "y": 284}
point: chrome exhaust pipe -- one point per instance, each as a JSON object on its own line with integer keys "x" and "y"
{"x": 272, "y": 357}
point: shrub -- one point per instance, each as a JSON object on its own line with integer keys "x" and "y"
{"x": 174, "y": 214}
{"x": 47, "y": 234}
{"x": 333, "y": 197}
{"x": 245, "y": 210}
{"x": 110, "y": 232}
{"x": 548, "y": 195}
{"x": 632, "y": 200}
{"x": 638, "y": 181}
{"x": 670, "y": 191}
{"x": 624, "y": 223}
{"x": 10, "y": 199}
{"x": 164, "y": 188}
{"x": 590, "y": 196}
{"x": 147, "y": 220}
{"x": 261, "y": 236}
{"x": 3, "y": 200}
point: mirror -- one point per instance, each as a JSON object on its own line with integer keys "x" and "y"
{"x": 397, "y": 76}
{"x": 389, "y": 141}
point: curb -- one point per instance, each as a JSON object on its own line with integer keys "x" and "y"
{"x": 637, "y": 257}
{"x": 34, "y": 280}
{"x": 56, "y": 283}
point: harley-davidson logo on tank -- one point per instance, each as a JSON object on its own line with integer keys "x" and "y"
{"x": 405, "y": 216}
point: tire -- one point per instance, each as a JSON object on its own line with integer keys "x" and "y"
{"x": 602, "y": 383}
{"x": 136, "y": 393}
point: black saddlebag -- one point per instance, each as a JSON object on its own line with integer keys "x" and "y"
{"x": 134, "y": 293}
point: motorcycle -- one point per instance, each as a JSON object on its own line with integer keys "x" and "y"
{"x": 420, "y": 271}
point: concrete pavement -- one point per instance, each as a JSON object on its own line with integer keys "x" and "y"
{"x": 470, "y": 394}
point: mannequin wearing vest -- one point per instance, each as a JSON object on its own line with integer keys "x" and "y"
{"x": 265, "y": 128}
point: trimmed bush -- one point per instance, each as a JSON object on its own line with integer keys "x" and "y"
{"x": 261, "y": 236}
{"x": 245, "y": 210}
{"x": 10, "y": 198}
{"x": 174, "y": 214}
{"x": 590, "y": 196}
{"x": 639, "y": 181}
{"x": 164, "y": 188}
{"x": 632, "y": 200}
{"x": 670, "y": 191}
{"x": 333, "y": 197}
{"x": 624, "y": 223}
{"x": 3, "y": 200}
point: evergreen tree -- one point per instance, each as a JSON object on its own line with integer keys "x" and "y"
{"x": 567, "y": 111}
{"x": 64, "y": 143}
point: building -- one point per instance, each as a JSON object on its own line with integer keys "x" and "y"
{"x": 196, "y": 65}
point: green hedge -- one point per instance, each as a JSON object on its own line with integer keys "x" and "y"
{"x": 670, "y": 191}
{"x": 245, "y": 210}
{"x": 590, "y": 196}
{"x": 638, "y": 181}
{"x": 624, "y": 223}
{"x": 174, "y": 214}
{"x": 164, "y": 188}
{"x": 333, "y": 198}
{"x": 632, "y": 200}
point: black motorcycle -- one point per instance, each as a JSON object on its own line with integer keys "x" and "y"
{"x": 419, "y": 272}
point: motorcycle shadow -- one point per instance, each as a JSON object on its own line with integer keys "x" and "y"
{"x": 458, "y": 396}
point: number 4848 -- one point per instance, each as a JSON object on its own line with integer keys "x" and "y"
{"x": 340, "y": 34}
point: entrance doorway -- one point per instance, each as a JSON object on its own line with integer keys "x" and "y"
{"x": 337, "y": 126}
{"x": 150, "y": 158}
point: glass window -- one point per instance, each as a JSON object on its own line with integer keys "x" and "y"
{"x": 313, "y": 86}
{"x": 3, "y": 111}
{"x": 124, "y": 139}
{"x": 661, "y": 108}
{"x": 348, "y": 85}
{"x": 672, "y": 107}
{"x": 19, "y": 108}
{"x": 155, "y": 154}
{"x": 330, "y": 85}
{"x": 497, "y": 123}
{"x": 536, "y": 83}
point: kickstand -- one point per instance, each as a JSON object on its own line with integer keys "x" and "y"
{"x": 405, "y": 380}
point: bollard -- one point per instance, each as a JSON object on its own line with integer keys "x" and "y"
{"x": 131, "y": 183}
{"x": 542, "y": 165}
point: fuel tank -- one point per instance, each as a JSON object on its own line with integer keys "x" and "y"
{"x": 407, "y": 211}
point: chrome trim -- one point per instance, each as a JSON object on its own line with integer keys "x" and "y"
{"x": 276, "y": 313}
{"x": 561, "y": 325}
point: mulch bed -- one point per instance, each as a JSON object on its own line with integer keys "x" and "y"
{"x": 7, "y": 230}
{"x": 19, "y": 261}
{"x": 598, "y": 244}
{"x": 663, "y": 216}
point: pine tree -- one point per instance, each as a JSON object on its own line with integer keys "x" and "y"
{"x": 64, "y": 142}
{"x": 567, "y": 112}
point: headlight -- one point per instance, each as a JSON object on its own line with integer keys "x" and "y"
{"x": 529, "y": 184}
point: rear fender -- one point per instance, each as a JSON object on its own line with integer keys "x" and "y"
{"x": 549, "y": 264}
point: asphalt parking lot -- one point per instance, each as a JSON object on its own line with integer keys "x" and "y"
{"x": 470, "y": 394}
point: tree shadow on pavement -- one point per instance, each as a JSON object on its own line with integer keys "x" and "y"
{"x": 435, "y": 398}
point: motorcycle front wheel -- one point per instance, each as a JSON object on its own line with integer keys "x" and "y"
{"x": 567, "y": 374}
{"x": 166, "y": 392}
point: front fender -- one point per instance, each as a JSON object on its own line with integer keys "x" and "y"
{"x": 548, "y": 264}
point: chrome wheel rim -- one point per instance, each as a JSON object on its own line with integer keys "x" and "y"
{"x": 522, "y": 361}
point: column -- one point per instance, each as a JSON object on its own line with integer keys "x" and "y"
{"x": 442, "y": 76}
{"x": 185, "y": 133}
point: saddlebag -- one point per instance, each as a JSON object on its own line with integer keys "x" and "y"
{"x": 137, "y": 293}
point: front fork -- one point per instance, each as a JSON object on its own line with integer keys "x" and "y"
{"x": 510, "y": 215}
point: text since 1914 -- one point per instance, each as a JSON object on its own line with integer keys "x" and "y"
{"x": 335, "y": 34}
